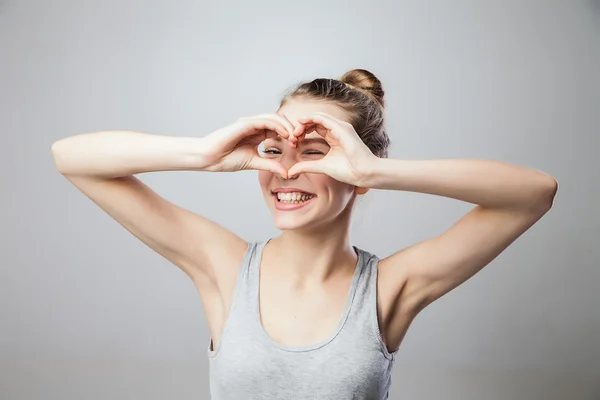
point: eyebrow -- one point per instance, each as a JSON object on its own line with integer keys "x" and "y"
{"x": 314, "y": 140}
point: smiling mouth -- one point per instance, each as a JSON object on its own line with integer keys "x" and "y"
{"x": 293, "y": 197}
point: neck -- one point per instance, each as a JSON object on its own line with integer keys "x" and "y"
{"x": 314, "y": 256}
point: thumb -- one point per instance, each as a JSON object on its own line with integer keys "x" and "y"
{"x": 268, "y": 165}
{"x": 304, "y": 167}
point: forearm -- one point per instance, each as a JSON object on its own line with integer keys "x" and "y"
{"x": 484, "y": 182}
{"x": 113, "y": 154}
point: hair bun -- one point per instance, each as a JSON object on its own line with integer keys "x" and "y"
{"x": 366, "y": 82}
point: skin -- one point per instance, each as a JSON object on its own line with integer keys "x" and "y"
{"x": 291, "y": 298}
{"x": 507, "y": 199}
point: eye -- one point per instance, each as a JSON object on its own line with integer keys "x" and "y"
{"x": 271, "y": 151}
{"x": 314, "y": 152}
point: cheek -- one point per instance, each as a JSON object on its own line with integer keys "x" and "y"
{"x": 339, "y": 192}
{"x": 264, "y": 179}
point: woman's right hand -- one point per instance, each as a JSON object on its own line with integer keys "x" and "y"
{"x": 235, "y": 147}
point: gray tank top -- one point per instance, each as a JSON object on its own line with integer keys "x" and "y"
{"x": 352, "y": 363}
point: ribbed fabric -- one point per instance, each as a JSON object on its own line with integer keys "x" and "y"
{"x": 352, "y": 363}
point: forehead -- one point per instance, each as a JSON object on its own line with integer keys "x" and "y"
{"x": 298, "y": 108}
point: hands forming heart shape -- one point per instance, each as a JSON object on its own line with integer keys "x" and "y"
{"x": 235, "y": 147}
{"x": 348, "y": 158}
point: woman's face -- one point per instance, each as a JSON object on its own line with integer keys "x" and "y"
{"x": 309, "y": 200}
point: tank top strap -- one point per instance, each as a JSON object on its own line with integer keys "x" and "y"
{"x": 243, "y": 297}
{"x": 366, "y": 286}
{"x": 248, "y": 278}
{"x": 364, "y": 311}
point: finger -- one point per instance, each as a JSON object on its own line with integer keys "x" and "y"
{"x": 332, "y": 130}
{"x": 299, "y": 131}
{"x": 318, "y": 129}
{"x": 286, "y": 122}
{"x": 304, "y": 129}
{"x": 321, "y": 123}
{"x": 331, "y": 117}
{"x": 270, "y": 135}
{"x": 268, "y": 165}
{"x": 296, "y": 135}
{"x": 281, "y": 119}
{"x": 319, "y": 119}
{"x": 260, "y": 136}
{"x": 305, "y": 167}
{"x": 269, "y": 124}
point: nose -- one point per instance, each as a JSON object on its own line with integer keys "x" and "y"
{"x": 293, "y": 178}
{"x": 288, "y": 159}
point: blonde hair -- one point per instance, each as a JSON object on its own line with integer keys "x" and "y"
{"x": 360, "y": 93}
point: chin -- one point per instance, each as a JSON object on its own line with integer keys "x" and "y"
{"x": 289, "y": 223}
{"x": 293, "y": 220}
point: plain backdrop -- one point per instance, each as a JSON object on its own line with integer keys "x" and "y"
{"x": 88, "y": 312}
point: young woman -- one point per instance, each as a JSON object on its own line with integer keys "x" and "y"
{"x": 306, "y": 314}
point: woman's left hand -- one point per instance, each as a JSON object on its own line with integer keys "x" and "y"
{"x": 348, "y": 159}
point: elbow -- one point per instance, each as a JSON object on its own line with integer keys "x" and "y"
{"x": 55, "y": 148}
{"x": 55, "y": 151}
{"x": 547, "y": 192}
{"x": 59, "y": 152}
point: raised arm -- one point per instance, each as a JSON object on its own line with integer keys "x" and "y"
{"x": 509, "y": 199}
{"x": 102, "y": 165}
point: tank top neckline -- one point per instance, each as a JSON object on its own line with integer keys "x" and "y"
{"x": 336, "y": 331}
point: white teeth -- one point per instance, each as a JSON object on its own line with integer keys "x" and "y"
{"x": 294, "y": 198}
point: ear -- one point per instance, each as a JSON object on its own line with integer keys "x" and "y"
{"x": 360, "y": 190}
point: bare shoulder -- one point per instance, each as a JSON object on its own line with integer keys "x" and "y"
{"x": 208, "y": 253}
{"x": 221, "y": 255}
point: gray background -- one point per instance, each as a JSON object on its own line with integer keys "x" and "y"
{"x": 88, "y": 312}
